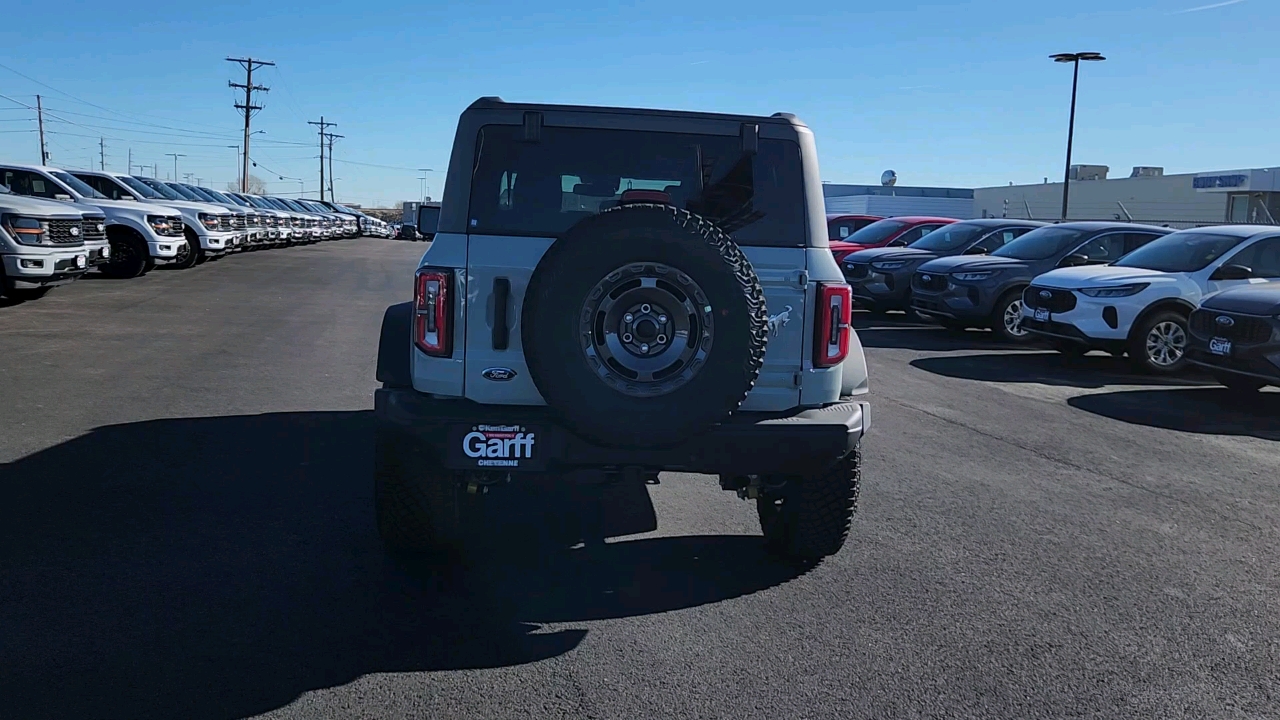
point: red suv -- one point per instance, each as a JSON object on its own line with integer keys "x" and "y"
{"x": 894, "y": 231}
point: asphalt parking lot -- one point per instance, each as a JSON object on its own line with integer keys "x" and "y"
{"x": 186, "y": 513}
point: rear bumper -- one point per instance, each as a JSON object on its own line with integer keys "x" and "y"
{"x": 796, "y": 442}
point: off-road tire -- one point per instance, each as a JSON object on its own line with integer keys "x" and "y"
{"x": 1138, "y": 355}
{"x": 417, "y": 502}
{"x": 1238, "y": 384}
{"x": 626, "y": 236}
{"x": 192, "y": 256}
{"x": 809, "y": 518}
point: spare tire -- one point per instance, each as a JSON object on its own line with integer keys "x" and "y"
{"x": 643, "y": 326}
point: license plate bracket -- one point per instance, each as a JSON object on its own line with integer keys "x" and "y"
{"x": 1041, "y": 315}
{"x": 1220, "y": 346}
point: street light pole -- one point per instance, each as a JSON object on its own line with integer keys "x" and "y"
{"x": 1074, "y": 59}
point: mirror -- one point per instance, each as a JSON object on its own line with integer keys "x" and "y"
{"x": 976, "y": 250}
{"x": 61, "y": 196}
{"x": 897, "y": 243}
{"x": 1232, "y": 272}
{"x": 1075, "y": 260}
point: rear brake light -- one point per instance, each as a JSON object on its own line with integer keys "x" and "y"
{"x": 831, "y": 339}
{"x": 433, "y": 312}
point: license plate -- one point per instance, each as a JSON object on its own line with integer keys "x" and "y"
{"x": 80, "y": 261}
{"x": 1041, "y": 315}
{"x": 1220, "y": 346}
{"x": 497, "y": 447}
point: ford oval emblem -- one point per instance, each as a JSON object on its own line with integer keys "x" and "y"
{"x": 1045, "y": 295}
{"x": 926, "y": 278}
{"x": 74, "y": 231}
{"x": 498, "y": 374}
{"x": 1224, "y": 321}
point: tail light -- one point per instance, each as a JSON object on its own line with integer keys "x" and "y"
{"x": 831, "y": 339}
{"x": 433, "y": 312}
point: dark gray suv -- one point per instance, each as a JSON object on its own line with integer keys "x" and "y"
{"x": 1235, "y": 335}
{"x": 965, "y": 291}
{"x": 881, "y": 277}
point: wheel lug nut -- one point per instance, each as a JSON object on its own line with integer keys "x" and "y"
{"x": 662, "y": 339}
{"x": 644, "y": 347}
{"x": 628, "y": 318}
{"x": 626, "y": 337}
{"x": 645, "y": 308}
{"x": 662, "y": 319}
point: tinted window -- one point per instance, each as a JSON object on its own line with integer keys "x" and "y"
{"x": 186, "y": 192}
{"x": 1103, "y": 249}
{"x": 1000, "y": 238}
{"x": 77, "y": 184}
{"x": 1262, "y": 257}
{"x": 138, "y": 188}
{"x": 877, "y": 232}
{"x": 951, "y": 237}
{"x": 543, "y": 188}
{"x": 25, "y": 182}
{"x": 1041, "y": 243}
{"x": 163, "y": 190}
{"x": 1186, "y": 251}
{"x": 428, "y": 219}
{"x": 914, "y": 234}
{"x": 106, "y": 187}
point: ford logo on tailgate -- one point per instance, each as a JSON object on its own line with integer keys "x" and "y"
{"x": 1225, "y": 321}
{"x": 498, "y": 374}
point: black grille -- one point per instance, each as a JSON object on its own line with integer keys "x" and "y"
{"x": 66, "y": 232}
{"x": 1058, "y": 301}
{"x": 91, "y": 233}
{"x": 239, "y": 222}
{"x": 1246, "y": 329}
{"x": 857, "y": 271}
{"x": 929, "y": 281}
{"x": 226, "y": 222}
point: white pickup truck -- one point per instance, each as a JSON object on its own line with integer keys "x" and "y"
{"x": 42, "y": 244}
{"x": 140, "y": 235}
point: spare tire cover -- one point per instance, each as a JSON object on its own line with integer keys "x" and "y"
{"x": 643, "y": 326}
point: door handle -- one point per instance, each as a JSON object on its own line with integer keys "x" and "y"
{"x": 501, "y": 296}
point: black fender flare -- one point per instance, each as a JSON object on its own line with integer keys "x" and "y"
{"x": 395, "y": 347}
{"x": 1176, "y": 304}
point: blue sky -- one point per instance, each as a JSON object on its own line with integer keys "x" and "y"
{"x": 944, "y": 93}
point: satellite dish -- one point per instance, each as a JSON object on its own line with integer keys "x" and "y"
{"x": 888, "y": 178}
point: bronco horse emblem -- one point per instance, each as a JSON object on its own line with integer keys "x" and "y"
{"x": 779, "y": 321}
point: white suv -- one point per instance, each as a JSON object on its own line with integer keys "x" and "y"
{"x": 1140, "y": 303}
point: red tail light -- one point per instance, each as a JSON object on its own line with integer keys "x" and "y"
{"x": 433, "y": 312}
{"x": 831, "y": 338}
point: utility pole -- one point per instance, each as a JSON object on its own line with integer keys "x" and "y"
{"x": 130, "y": 170}
{"x": 322, "y": 125}
{"x": 249, "y": 65}
{"x": 175, "y": 157}
{"x": 102, "y": 154}
{"x": 188, "y": 176}
{"x": 331, "y": 137}
{"x": 44, "y": 152}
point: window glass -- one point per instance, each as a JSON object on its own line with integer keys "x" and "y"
{"x": 162, "y": 189}
{"x": 24, "y": 182}
{"x": 1186, "y": 251}
{"x": 950, "y": 237}
{"x": 914, "y": 234}
{"x": 1000, "y": 238}
{"x": 1262, "y": 257}
{"x": 877, "y": 232}
{"x": 106, "y": 187}
{"x": 77, "y": 185}
{"x": 543, "y": 188}
{"x": 842, "y": 228}
{"x": 1104, "y": 248}
{"x": 1041, "y": 244}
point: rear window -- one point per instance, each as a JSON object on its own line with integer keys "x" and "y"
{"x": 544, "y": 188}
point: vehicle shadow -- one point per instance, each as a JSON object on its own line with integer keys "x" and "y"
{"x": 1092, "y": 371}
{"x": 898, "y": 331}
{"x": 220, "y": 567}
{"x": 1208, "y": 411}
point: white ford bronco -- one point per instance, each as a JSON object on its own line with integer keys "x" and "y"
{"x": 616, "y": 293}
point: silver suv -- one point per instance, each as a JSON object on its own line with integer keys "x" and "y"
{"x": 612, "y": 293}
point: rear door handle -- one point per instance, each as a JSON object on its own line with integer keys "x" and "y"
{"x": 501, "y": 296}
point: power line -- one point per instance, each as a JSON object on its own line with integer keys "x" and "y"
{"x": 249, "y": 65}
{"x": 322, "y": 125}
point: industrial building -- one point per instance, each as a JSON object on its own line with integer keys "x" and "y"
{"x": 887, "y": 200}
{"x": 1147, "y": 195}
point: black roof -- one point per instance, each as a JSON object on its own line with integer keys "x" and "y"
{"x": 1095, "y": 225}
{"x": 493, "y": 103}
{"x": 1000, "y": 222}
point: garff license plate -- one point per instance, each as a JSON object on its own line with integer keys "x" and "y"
{"x": 1041, "y": 315}
{"x": 496, "y": 447}
{"x": 1220, "y": 346}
